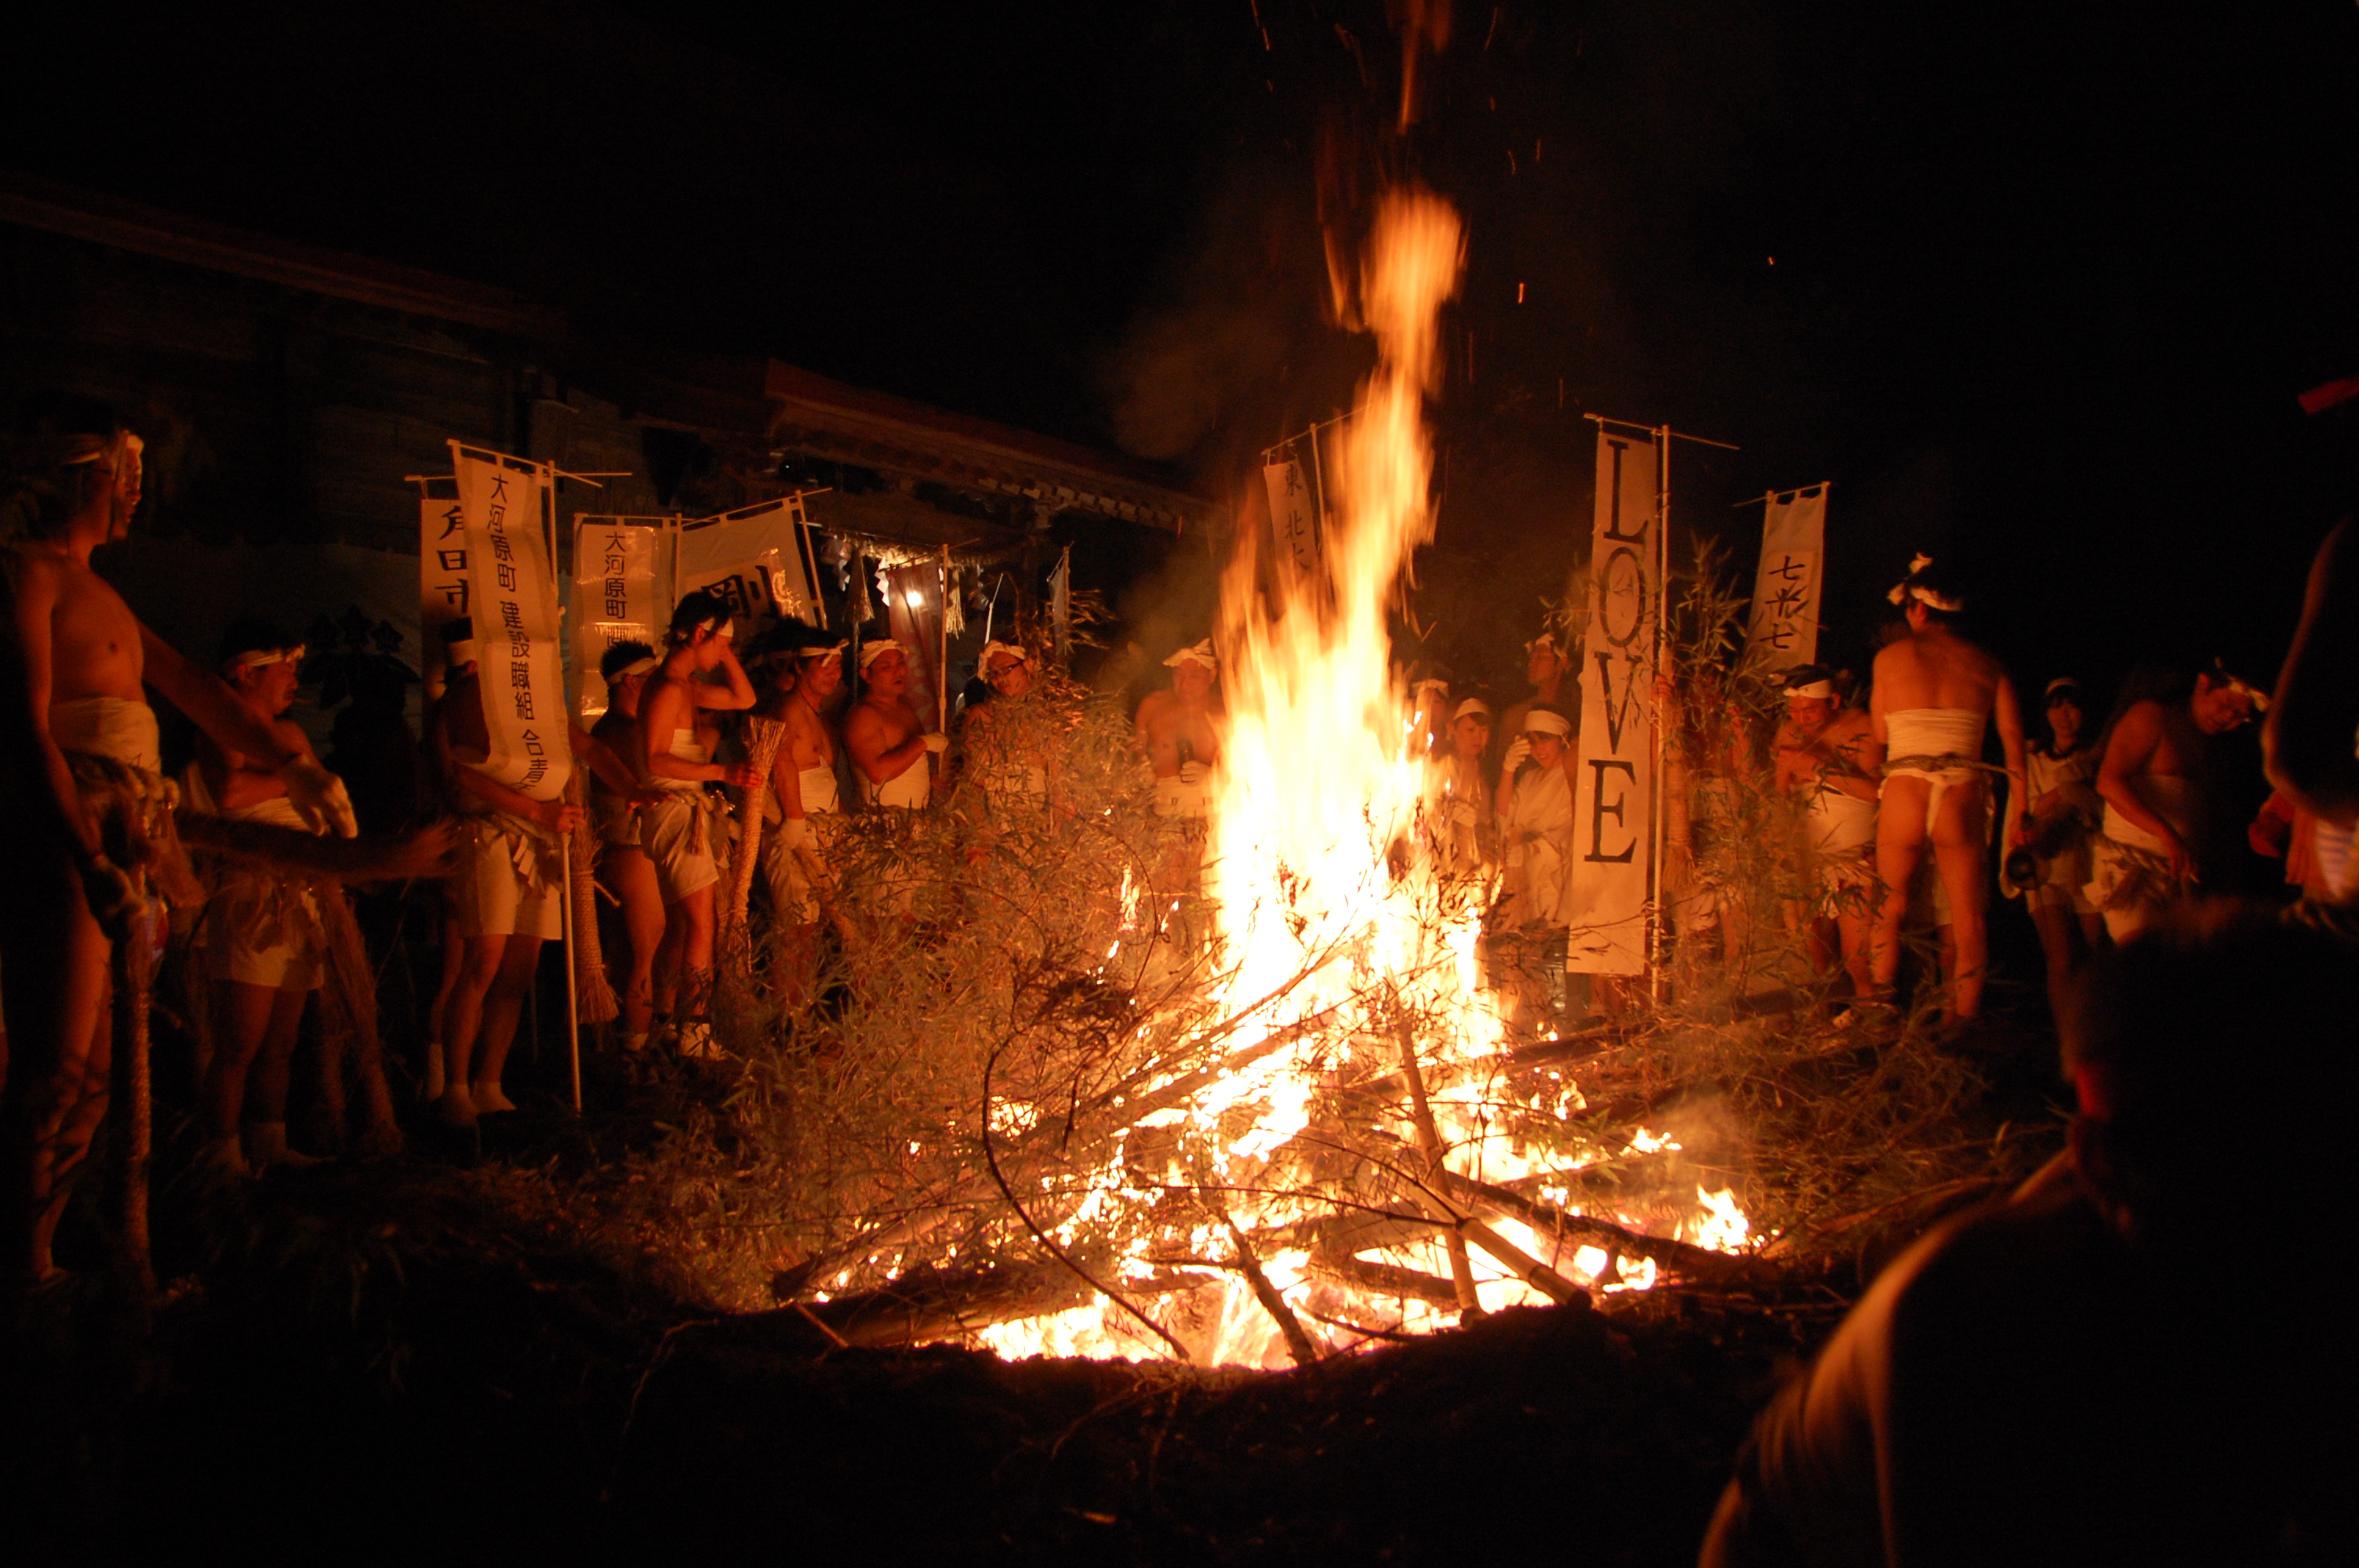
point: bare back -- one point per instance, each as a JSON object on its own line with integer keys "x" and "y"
{"x": 1934, "y": 668}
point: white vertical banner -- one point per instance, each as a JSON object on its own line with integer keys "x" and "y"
{"x": 1785, "y": 627}
{"x": 754, "y": 558}
{"x": 615, "y": 561}
{"x": 1293, "y": 515}
{"x": 505, "y": 510}
{"x": 1613, "y": 797}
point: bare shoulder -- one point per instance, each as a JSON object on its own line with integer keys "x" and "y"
{"x": 1153, "y": 706}
{"x": 290, "y": 735}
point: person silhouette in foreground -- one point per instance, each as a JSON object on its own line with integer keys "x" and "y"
{"x": 2138, "y": 1356}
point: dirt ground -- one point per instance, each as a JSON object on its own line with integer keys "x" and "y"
{"x": 381, "y": 1365}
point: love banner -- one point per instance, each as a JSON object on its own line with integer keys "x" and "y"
{"x": 1614, "y": 794}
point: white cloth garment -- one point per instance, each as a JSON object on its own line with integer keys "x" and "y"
{"x": 1536, "y": 847}
{"x": 1951, "y": 737}
{"x": 910, "y": 788}
{"x": 108, "y": 727}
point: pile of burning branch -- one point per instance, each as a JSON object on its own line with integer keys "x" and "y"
{"x": 1082, "y": 1080}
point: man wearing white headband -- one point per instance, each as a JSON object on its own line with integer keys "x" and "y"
{"x": 1536, "y": 790}
{"x": 1828, "y": 754}
{"x": 891, "y": 749}
{"x": 1935, "y": 695}
{"x": 1003, "y": 747}
{"x": 1554, "y": 681}
{"x": 676, "y": 757}
{"x": 624, "y": 868}
{"x": 90, "y": 817}
{"x": 803, "y": 800}
{"x": 1179, "y": 730}
{"x": 2155, "y": 786}
{"x": 263, "y": 940}
{"x": 506, "y": 898}
{"x": 1457, "y": 801}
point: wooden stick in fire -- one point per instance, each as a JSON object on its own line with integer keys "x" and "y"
{"x": 1429, "y": 1138}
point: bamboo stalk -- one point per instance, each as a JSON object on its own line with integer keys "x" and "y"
{"x": 1298, "y": 1339}
{"x": 1429, "y": 1138}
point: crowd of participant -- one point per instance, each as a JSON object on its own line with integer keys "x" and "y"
{"x": 1893, "y": 798}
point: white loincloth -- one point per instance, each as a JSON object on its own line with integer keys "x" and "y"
{"x": 676, "y": 832}
{"x": 1842, "y": 829}
{"x": 510, "y": 881}
{"x": 108, "y": 727}
{"x": 2131, "y": 879}
{"x": 1536, "y": 844}
{"x": 2332, "y": 846}
{"x": 1943, "y": 746}
{"x": 1175, "y": 797}
{"x": 793, "y": 899}
{"x": 908, "y": 789}
{"x": 262, "y": 927}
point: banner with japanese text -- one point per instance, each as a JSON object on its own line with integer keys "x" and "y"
{"x": 1785, "y": 626}
{"x": 615, "y": 595}
{"x": 505, "y": 517}
{"x": 1293, "y": 515}
{"x": 443, "y": 588}
{"x": 1613, "y": 840}
{"x": 754, "y": 558}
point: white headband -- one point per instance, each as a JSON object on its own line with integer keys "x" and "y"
{"x": 1472, "y": 705}
{"x": 254, "y": 658}
{"x": 1810, "y": 691}
{"x": 110, "y": 451}
{"x": 823, "y": 650}
{"x": 2220, "y": 678}
{"x": 871, "y": 652}
{"x": 1903, "y": 591}
{"x": 1541, "y": 722}
{"x": 1021, "y": 655}
{"x": 459, "y": 650}
{"x": 637, "y": 667}
{"x": 1201, "y": 652}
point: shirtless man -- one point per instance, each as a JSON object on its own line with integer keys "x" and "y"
{"x": 676, "y": 757}
{"x": 2152, "y": 782}
{"x": 1180, "y": 730}
{"x": 79, "y": 662}
{"x": 624, "y": 868}
{"x": 888, "y": 741}
{"x": 999, "y": 752}
{"x": 508, "y": 895}
{"x": 266, "y": 946}
{"x": 1458, "y": 800}
{"x": 1828, "y": 755}
{"x": 1554, "y": 681}
{"x": 802, "y": 787}
{"x": 2308, "y": 737}
{"x": 1934, "y": 694}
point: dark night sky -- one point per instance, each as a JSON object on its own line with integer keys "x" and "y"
{"x": 2046, "y": 281}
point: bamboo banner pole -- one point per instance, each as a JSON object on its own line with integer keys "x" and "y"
{"x": 943, "y": 685}
{"x": 1659, "y": 813}
{"x": 566, "y": 929}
